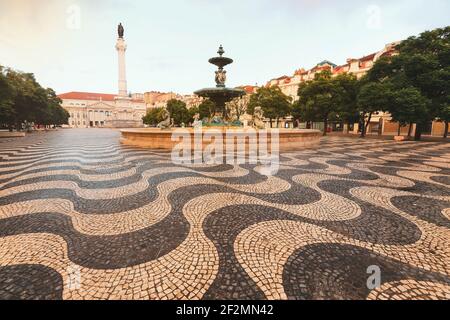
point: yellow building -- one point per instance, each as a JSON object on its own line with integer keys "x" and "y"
{"x": 156, "y": 99}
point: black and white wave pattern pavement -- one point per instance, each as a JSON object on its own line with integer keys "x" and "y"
{"x": 82, "y": 217}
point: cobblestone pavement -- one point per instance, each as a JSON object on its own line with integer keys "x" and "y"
{"x": 82, "y": 217}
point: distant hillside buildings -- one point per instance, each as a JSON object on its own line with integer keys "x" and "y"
{"x": 359, "y": 67}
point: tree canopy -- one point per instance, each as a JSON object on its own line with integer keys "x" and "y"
{"x": 347, "y": 88}
{"x": 327, "y": 98}
{"x": 372, "y": 97}
{"x": 7, "y": 111}
{"x": 421, "y": 68}
{"x": 153, "y": 116}
{"x": 23, "y": 99}
{"x": 408, "y": 106}
{"x": 178, "y": 112}
{"x": 206, "y": 109}
{"x": 319, "y": 98}
{"x": 274, "y": 103}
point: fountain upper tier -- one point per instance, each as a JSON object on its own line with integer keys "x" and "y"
{"x": 220, "y": 61}
{"x": 220, "y": 94}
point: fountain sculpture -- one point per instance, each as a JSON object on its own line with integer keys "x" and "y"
{"x": 220, "y": 95}
{"x": 167, "y": 137}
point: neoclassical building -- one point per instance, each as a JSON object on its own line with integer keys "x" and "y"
{"x": 88, "y": 109}
{"x": 120, "y": 110}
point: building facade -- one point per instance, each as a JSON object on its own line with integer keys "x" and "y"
{"x": 359, "y": 67}
{"x": 156, "y": 99}
{"x": 102, "y": 110}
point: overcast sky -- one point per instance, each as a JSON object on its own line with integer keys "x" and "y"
{"x": 69, "y": 45}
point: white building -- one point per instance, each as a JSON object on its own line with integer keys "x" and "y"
{"x": 102, "y": 110}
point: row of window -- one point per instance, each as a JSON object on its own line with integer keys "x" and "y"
{"x": 83, "y": 115}
{"x": 91, "y": 123}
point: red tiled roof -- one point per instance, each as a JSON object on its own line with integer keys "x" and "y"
{"x": 369, "y": 57}
{"x": 281, "y": 78}
{"x": 340, "y": 69}
{"x": 74, "y": 95}
{"x": 321, "y": 68}
{"x": 300, "y": 71}
{"x": 87, "y": 96}
{"x": 249, "y": 89}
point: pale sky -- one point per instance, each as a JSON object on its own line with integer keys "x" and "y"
{"x": 69, "y": 45}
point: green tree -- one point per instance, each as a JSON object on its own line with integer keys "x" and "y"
{"x": 373, "y": 97}
{"x": 60, "y": 116}
{"x": 207, "y": 109}
{"x": 178, "y": 111}
{"x": 153, "y": 116}
{"x": 303, "y": 112}
{"x": 296, "y": 113}
{"x": 347, "y": 87}
{"x": 28, "y": 102}
{"x": 274, "y": 103}
{"x": 7, "y": 112}
{"x": 319, "y": 98}
{"x": 57, "y": 115}
{"x": 42, "y": 111}
{"x": 407, "y": 106}
{"x": 423, "y": 62}
{"x": 192, "y": 112}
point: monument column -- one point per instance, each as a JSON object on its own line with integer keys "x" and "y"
{"x": 121, "y": 47}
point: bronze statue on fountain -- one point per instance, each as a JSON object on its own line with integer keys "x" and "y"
{"x": 220, "y": 95}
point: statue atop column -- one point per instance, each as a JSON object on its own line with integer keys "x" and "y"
{"x": 120, "y": 30}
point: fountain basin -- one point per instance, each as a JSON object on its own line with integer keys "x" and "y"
{"x": 220, "y": 95}
{"x": 152, "y": 138}
{"x": 222, "y": 92}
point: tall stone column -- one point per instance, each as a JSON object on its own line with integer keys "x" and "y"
{"x": 121, "y": 47}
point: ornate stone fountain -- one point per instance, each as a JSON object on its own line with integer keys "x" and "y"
{"x": 220, "y": 95}
{"x": 166, "y": 137}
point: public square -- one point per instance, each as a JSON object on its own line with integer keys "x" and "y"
{"x": 84, "y": 217}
